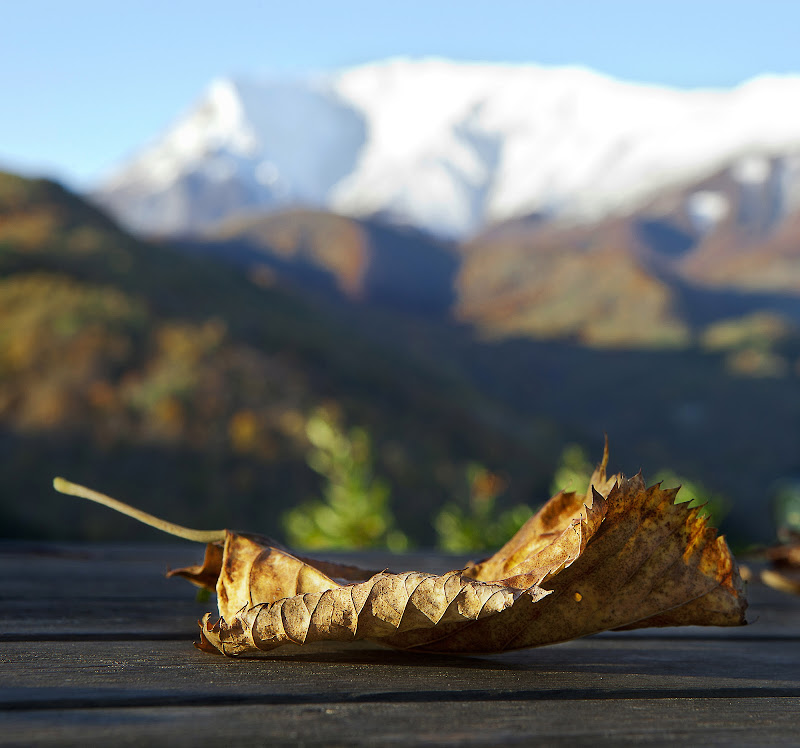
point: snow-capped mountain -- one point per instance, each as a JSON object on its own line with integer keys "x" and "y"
{"x": 451, "y": 147}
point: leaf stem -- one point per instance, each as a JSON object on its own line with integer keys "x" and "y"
{"x": 199, "y": 536}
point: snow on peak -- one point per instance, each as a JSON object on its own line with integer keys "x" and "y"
{"x": 752, "y": 169}
{"x": 707, "y": 208}
{"x": 452, "y": 146}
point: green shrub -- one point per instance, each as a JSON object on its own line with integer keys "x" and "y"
{"x": 573, "y": 472}
{"x": 355, "y": 511}
{"x": 476, "y": 525}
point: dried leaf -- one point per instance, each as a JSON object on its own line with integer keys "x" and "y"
{"x": 629, "y": 559}
{"x": 785, "y": 560}
{"x": 781, "y": 581}
{"x": 622, "y": 556}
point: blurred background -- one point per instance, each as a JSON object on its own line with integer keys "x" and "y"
{"x": 354, "y": 274}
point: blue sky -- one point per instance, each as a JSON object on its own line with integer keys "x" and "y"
{"x": 83, "y": 83}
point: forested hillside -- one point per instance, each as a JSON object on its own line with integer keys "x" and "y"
{"x": 184, "y": 386}
{"x": 183, "y": 378}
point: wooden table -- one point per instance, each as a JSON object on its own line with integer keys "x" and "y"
{"x": 97, "y": 650}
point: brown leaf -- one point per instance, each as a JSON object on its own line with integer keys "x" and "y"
{"x": 626, "y": 559}
{"x": 785, "y": 560}
{"x": 787, "y": 554}
{"x": 621, "y": 556}
{"x": 783, "y": 581}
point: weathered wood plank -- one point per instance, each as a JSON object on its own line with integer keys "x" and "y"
{"x": 141, "y": 618}
{"x": 87, "y": 572}
{"x": 573, "y": 722}
{"x": 58, "y": 591}
{"x": 96, "y": 647}
{"x": 46, "y": 619}
{"x": 79, "y": 674}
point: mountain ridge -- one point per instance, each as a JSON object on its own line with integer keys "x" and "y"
{"x": 448, "y": 147}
